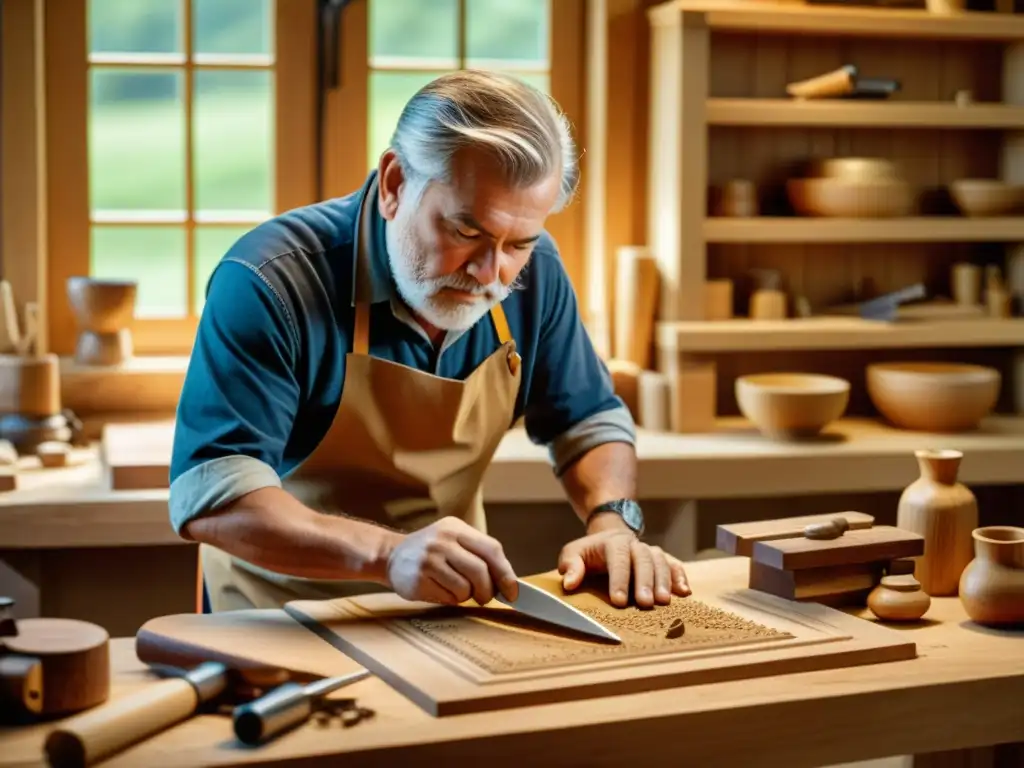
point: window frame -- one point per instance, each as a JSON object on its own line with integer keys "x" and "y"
{"x": 66, "y": 104}
{"x": 347, "y": 117}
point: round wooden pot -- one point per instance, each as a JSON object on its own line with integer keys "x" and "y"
{"x": 992, "y": 585}
{"x": 899, "y": 598}
{"x": 933, "y": 397}
{"x": 790, "y": 406}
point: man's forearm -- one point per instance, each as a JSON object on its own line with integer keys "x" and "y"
{"x": 271, "y": 529}
{"x": 604, "y": 473}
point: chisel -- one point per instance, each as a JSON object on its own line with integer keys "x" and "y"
{"x": 284, "y": 707}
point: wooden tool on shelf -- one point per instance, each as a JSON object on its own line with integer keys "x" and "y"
{"x": 789, "y": 559}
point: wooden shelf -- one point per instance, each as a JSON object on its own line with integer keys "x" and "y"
{"x": 744, "y": 335}
{"x": 861, "y": 114}
{"x": 791, "y": 18}
{"x": 924, "y": 229}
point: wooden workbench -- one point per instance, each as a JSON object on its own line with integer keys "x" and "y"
{"x": 964, "y": 691}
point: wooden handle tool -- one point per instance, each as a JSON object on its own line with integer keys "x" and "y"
{"x": 839, "y": 82}
{"x": 95, "y": 735}
{"x": 285, "y": 707}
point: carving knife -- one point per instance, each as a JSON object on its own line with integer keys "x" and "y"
{"x": 534, "y": 601}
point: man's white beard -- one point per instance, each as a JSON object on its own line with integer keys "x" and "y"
{"x": 408, "y": 269}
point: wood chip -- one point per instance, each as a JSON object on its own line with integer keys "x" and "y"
{"x": 676, "y": 629}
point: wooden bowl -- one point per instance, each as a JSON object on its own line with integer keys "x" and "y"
{"x": 986, "y": 197}
{"x": 791, "y": 406}
{"x": 933, "y": 397}
{"x": 856, "y": 169}
{"x": 102, "y": 306}
{"x": 839, "y": 198}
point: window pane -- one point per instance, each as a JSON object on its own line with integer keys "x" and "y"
{"x": 135, "y": 26}
{"x": 419, "y": 30}
{"x": 136, "y": 140}
{"x": 389, "y": 91}
{"x": 232, "y": 26}
{"x": 211, "y": 243}
{"x": 502, "y": 34}
{"x": 233, "y": 141}
{"x": 154, "y": 256}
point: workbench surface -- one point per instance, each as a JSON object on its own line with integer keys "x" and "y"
{"x": 75, "y": 506}
{"x": 963, "y": 691}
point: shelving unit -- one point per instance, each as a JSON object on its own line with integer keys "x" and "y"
{"x": 719, "y": 111}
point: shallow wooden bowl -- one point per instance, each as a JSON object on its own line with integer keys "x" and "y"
{"x": 839, "y": 198}
{"x": 986, "y": 197}
{"x": 856, "y": 169}
{"x": 933, "y": 397}
{"x": 102, "y": 306}
{"x": 791, "y": 406}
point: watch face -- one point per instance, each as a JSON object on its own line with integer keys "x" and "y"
{"x": 632, "y": 515}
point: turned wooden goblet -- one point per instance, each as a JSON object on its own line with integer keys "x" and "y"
{"x": 104, "y": 310}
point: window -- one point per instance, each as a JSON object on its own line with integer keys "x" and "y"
{"x": 391, "y": 48}
{"x": 171, "y": 133}
{"x": 173, "y": 126}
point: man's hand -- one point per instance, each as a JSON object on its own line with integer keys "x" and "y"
{"x": 449, "y": 562}
{"x": 656, "y": 574}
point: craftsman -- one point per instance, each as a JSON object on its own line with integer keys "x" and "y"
{"x": 359, "y": 360}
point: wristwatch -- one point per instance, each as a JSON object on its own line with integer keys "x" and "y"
{"x": 627, "y": 509}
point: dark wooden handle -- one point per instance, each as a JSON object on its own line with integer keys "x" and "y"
{"x": 90, "y": 737}
{"x": 21, "y": 686}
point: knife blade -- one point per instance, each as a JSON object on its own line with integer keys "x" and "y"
{"x": 534, "y": 601}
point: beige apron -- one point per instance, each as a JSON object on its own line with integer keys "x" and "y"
{"x": 405, "y": 449}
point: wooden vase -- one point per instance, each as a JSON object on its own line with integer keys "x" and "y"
{"x": 992, "y": 585}
{"x": 943, "y": 511}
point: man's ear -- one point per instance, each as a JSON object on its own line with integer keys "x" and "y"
{"x": 390, "y": 180}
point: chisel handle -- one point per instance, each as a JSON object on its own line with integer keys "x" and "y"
{"x": 92, "y": 736}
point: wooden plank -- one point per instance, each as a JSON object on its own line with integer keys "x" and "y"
{"x": 446, "y": 675}
{"x": 909, "y": 229}
{"x": 880, "y": 542}
{"x": 138, "y": 455}
{"x": 739, "y": 538}
{"x": 836, "y": 584}
{"x": 743, "y": 335}
{"x": 858, "y": 114}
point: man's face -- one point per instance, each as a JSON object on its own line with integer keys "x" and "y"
{"x": 457, "y": 249}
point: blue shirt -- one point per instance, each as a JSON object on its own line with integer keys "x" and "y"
{"x": 266, "y": 372}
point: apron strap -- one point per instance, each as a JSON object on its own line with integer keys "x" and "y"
{"x": 501, "y": 324}
{"x": 361, "y": 335}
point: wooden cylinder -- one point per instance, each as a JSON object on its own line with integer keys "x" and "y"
{"x": 625, "y": 380}
{"x": 766, "y": 304}
{"x": 966, "y": 279}
{"x": 738, "y": 199}
{"x": 718, "y": 297}
{"x": 654, "y": 401}
{"x": 75, "y": 664}
{"x": 30, "y": 386}
{"x": 93, "y": 736}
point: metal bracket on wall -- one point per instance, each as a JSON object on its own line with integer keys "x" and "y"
{"x": 329, "y": 14}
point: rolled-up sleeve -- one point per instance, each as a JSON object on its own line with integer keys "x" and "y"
{"x": 572, "y": 406}
{"x": 240, "y": 396}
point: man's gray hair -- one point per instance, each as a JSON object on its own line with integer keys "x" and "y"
{"x": 522, "y": 126}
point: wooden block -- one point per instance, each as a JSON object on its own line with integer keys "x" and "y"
{"x": 8, "y": 479}
{"x": 138, "y": 455}
{"x": 654, "y": 395}
{"x": 881, "y": 542}
{"x": 694, "y": 398}
{"x": 851, "y": 582}
{"x": 739, "y": 538}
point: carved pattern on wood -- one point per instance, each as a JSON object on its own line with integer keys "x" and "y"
{"x": 504, "y": 647}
